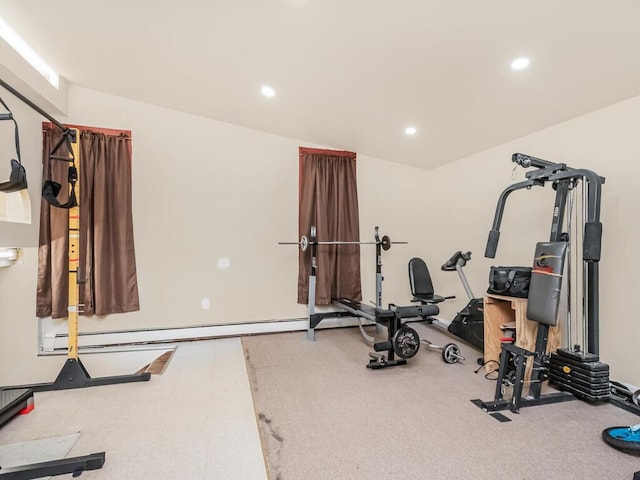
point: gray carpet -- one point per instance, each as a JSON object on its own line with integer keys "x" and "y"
{"x": 323, "y": 415}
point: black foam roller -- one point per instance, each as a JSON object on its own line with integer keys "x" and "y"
{"x": 382, "y": 346}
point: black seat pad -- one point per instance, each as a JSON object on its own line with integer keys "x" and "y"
{"x": 421, "y": 284}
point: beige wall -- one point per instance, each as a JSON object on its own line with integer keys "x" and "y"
{"x": 205, "y": 190}
{"x": 19, "y": 363}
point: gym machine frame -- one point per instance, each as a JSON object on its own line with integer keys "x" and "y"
{"x": 73, "y": 374}
{"x": 563, "y": 179}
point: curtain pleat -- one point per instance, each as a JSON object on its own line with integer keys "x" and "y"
{"x": 329, "y": 200}
{"x": 107, "y": 254}
{"x": 53, "y": 280}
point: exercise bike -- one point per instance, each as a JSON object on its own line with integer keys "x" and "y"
{"x": 468, "y": 324}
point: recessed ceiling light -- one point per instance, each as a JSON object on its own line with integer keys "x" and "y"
{"x": 520, "y": 63}
{"x": 267, "y": 91}
{"x": 410, "y": 130}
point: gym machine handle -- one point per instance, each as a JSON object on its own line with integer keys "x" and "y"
{"x": 492, "y": 244}
{"x": 592, "y": 242}
{"x": 458, "y": 257}
{"x": 494, "y": 234}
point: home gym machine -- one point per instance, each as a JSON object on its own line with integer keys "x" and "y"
{"x": 574, "y": 370}
{"x": 402, "y": 340}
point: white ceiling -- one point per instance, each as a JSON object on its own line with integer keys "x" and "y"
{"x": 350, "y": 74}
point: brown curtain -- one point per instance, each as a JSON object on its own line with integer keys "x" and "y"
{"x": 107, "y": 256}
{"x": 329, "y": 200}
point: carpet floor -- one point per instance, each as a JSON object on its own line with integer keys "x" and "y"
{"x": 323, "y": 415}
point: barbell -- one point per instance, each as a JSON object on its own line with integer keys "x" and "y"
{"x": 385, "y": 242}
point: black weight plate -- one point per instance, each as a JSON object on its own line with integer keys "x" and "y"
{"x": 406, "y": 342}
{"x": 386, "y": 243}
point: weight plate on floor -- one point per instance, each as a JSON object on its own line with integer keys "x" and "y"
{"x": 626, "y": 439}
{"x": 406, "y": 342}
{"x": 451, "y": 353}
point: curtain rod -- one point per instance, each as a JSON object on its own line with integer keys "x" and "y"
{"x": 31, "y": 104}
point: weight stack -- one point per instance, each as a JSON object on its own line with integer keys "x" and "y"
{"x": 579, "y": 373}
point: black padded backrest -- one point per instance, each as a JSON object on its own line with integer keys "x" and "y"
{"x": 419, "y": 278}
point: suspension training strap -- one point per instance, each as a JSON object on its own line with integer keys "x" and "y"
{"x": 51, "y": 189}
{"x": 18, "y": 178}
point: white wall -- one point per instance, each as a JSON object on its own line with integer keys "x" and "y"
{"x": 204, "y": 190}
{"x": 19, "y": 363}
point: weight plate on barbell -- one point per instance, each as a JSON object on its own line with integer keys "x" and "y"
{"x": 406, "y": 342}
{"x": 304, "y": 243}
{"x": 386, "y": 242}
